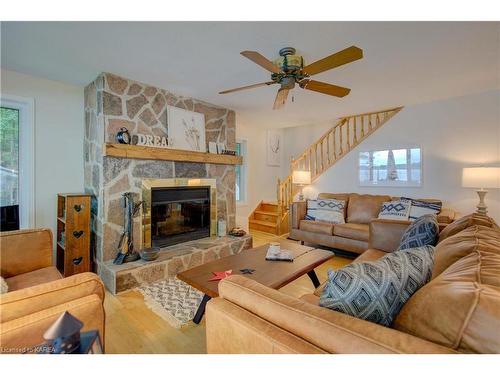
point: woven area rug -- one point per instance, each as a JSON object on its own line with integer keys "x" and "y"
{"x": 172, "y": 299}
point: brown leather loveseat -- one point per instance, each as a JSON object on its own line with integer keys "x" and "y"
{"x": 38, "y": 294}
{"x": 352, "y": 236}
{"x": 458, "y": 311}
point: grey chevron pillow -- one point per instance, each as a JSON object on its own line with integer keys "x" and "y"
{"x": 423, "y": 231}
{"x": 376, "y": 291}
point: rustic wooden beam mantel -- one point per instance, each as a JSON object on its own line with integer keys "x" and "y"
{"x": 119, "y": 150}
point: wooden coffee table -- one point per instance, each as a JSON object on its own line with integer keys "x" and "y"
{"x": 274, "y": 274}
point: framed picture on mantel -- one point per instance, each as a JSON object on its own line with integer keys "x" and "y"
{"x": 186, "y": 129}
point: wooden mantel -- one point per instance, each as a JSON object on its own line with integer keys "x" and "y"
{"x": 119, "y": 150}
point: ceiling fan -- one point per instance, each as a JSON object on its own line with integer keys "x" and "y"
{"x": 289, "y": 70}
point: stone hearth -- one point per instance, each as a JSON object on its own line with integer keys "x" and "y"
{"x": 112, "y": 102}
{"x": 172, "y": 260}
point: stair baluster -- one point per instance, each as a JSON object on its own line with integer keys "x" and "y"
{"x": 355, "y": 138}
{"x": 328, "y": 149}
{"x": 340, "y": 140}
{"x": 348, "y": 136}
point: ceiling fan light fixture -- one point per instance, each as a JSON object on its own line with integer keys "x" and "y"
{"x": 288, "y": 60}
{"x": 290, "y": 63}
{"x": 287, "y": 83}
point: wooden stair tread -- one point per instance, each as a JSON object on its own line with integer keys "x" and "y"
{"x": 262, "y": 222}
{"x": 266, "y": 212}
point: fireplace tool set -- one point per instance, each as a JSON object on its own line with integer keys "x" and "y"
{"x": 126, "y": 252}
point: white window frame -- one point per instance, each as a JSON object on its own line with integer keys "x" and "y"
{"x": 26, "y": 108}
{"x": 409, "y": 184}
{"x": 243, "y": 172}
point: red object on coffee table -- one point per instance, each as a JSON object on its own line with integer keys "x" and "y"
{"x": 220, "y": 275}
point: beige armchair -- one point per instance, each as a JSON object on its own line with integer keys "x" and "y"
{"x": 38, "y": 293}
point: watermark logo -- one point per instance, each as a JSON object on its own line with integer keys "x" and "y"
{"x": 41, "y": 349}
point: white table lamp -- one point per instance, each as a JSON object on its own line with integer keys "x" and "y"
{"x": 301, "y": 178}
{"x": 481, "y": 178}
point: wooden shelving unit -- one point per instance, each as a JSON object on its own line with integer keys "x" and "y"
{"x": 73, "y": 234}
{"x": 154, "y": 153}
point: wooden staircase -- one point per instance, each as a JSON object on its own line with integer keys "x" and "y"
{"x": 264, "y": 218}
{"x": 338, "y": 141}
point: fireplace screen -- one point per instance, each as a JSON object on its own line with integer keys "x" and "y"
{"x": 179, "y": 214}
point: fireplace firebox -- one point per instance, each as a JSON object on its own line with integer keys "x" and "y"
{"x": 177, "y": 210}
{"x": 179, "y": 214}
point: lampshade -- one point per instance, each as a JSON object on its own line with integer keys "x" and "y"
{"x": 301, "y": 177}
{"x": 481, "y": 177}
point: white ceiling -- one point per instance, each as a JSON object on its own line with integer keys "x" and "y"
{"x": 403, "y": 64}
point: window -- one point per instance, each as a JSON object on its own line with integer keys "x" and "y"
{"x": 16, "y": 163}
{"x": 9, "y": 157}
{"x": 241, "y": 178}
{"x": 395, "y": 167}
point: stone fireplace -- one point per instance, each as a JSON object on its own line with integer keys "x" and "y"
{"x": 112, "y": 102}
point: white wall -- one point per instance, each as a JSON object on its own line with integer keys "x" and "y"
{"x": 261, "y": 179}
{"x": 453, "y": 133}
{"x": 59, "y": 127}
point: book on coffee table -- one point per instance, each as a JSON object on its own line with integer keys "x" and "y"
{"x": 282, "y": 255}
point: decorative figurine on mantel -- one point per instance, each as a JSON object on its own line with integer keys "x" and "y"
{"x": 123, "y": 136}
{"x": 126, "y": 252}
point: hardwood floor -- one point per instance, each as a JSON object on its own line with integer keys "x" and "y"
{"x": 131, "y": 327}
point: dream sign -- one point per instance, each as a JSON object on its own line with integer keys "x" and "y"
{"x": 151, "y": 140}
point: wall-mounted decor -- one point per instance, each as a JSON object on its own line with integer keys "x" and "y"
{"x": 274, "y": 147}
{"x": 186, "y": 129}
{"x": 150, "y": 140}
{"x": 395, "y": 167}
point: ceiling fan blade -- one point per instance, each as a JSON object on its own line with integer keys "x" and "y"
{"x": 247, "y": 87}
{"x": 281, "y": 97}
{"x": 345, "y": 56}
{"x": 325, "y": 88}
{"x": 261, "y": 60}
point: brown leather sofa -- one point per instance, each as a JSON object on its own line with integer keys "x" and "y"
{"x": 458, "y": 311}
{"x": 352, "y": 236}
{"x": 38, "y": 294}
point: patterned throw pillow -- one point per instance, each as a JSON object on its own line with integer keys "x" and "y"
{"x": 423, "y": 231}
{"x": 421, "y": 208}
{"x": 376, "y": 291}
{"x": 327, "y": 210}
{"x": 395, "y": 210}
